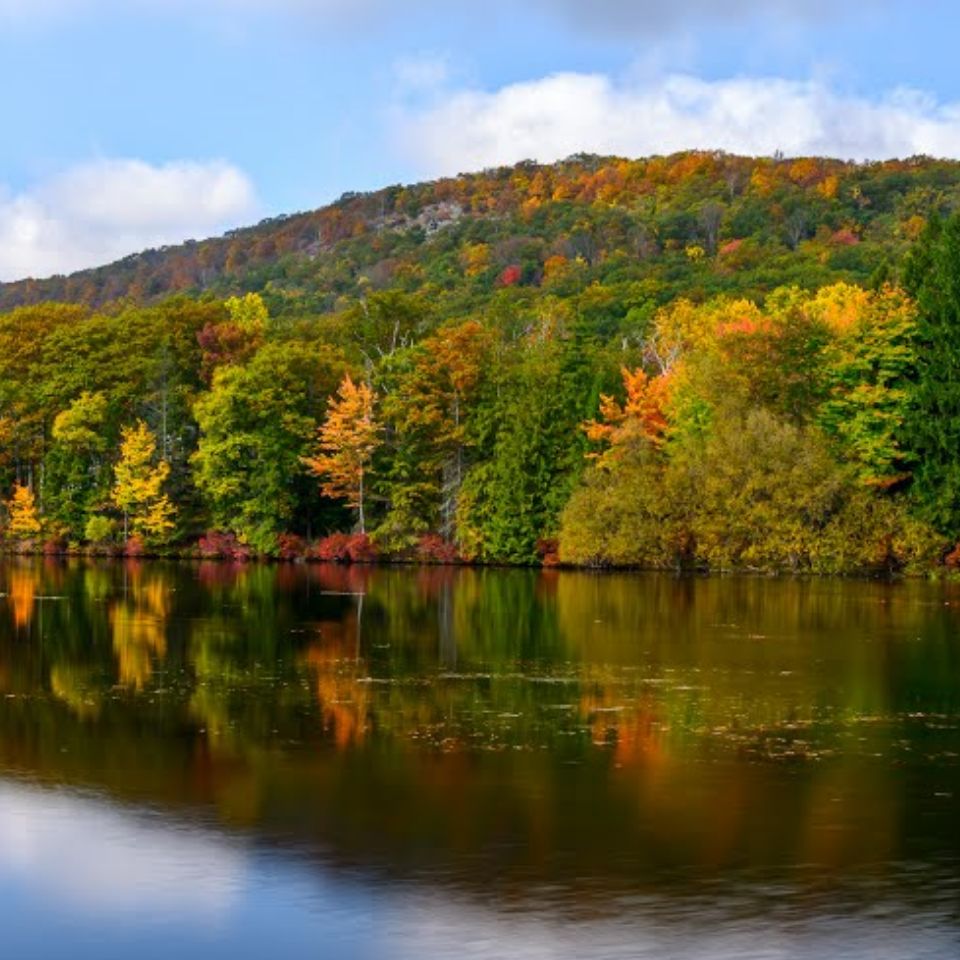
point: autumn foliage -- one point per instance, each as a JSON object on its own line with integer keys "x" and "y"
{"x": 138, "y": 485}
{"x": 640, "y": 418}
{"x": 24, "y": 521}
{"x": 347, "y": 441}
{"x": 344, "y": 548}
{"x": 696, "y": 360}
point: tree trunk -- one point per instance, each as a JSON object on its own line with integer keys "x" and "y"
{"x": 363, "y": 524}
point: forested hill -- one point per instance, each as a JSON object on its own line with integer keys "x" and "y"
{"x": 699, "y": 361}
{"x": 692, "y": 224}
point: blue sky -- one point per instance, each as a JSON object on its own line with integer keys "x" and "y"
{"x": 138, "y": 123}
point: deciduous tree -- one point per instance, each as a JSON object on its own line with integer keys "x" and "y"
{"x": 348, "y": 438}
{"x": 24, "y": 521}
{"x": 138, "y": 486}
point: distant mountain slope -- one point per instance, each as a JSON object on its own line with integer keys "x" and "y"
{"x": 693, "y": 223}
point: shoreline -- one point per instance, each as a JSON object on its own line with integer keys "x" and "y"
{"x": 941, "y": 572}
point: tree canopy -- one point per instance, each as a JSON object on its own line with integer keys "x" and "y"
{"x": 651, "y": 385}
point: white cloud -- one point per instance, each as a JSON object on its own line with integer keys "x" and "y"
{"x": 98, "y": 211}
{"x": 464, "y": 129}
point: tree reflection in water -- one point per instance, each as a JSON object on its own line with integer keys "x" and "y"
{"x": 600, "y": 734}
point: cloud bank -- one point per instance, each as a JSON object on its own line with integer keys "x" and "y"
{"x": 96, "y": 212}
{"x": 455, "y": 130}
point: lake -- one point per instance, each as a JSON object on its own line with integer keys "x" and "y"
{"x": 213, "y": 760}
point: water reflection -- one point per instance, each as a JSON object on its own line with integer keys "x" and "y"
{"x": 91, "y": 858}
{"x": 138, "y": 621}
{"x": 83, "y": 878}
{"x": 571, "y": 742}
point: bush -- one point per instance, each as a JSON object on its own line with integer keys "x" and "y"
{"x": 344, "y": 548}
{"x": 291, "y": 547}
{"x": 432, "y": 548}
{"x": 134, "y": 547}
{"x": 215, "y": 544}
{"x": 548, "y": 550}
{"x": 99, "y": 529}
{"x": 330, "y": 549}
{"x": 54, "y": 546}
{"x": 759, "y": 494}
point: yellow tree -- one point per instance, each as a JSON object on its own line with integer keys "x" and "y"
{"x": 348, "y": 438}
{"x": 249, "y": 313}
{"x": 138, "y": 485}
{"x": 24, "y": 520}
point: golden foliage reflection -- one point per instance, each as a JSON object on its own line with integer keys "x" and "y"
{"x": 138, "y": 626}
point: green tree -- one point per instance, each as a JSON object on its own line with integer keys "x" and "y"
{"x": 249, "y": 313}
{"x": 75, "y": 476}
{"x": 427, "y": 410}
{"x": 534, "y": 448}
{"x": 931, "y": 431}
{"x": 257, "y": 423}
{"x": 868, "y": 366}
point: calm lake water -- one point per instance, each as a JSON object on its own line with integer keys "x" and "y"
{"x": 208, "y": 760}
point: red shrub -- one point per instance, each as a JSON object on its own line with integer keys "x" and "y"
{"x": 845, "y": 237}
{"x": 332, "y": 548}
{"x": 217, "y": 544}
{"x": 134, "y": 547}
{"x": 548, "y": 549}
{"x": 361, "y": 549}
{"x": 344, "y": 548}
{"x": 291, "y": 547}
{"x": 432, "y": 548}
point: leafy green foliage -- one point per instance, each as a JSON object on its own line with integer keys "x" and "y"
{"x": 783, "y": 442}
{"x": 758, "y": 222}
{"x": 257, "y": 423}
{"x": 696, "y": 360}
{"x": 932, "y": 430}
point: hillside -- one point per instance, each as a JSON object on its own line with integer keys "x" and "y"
{"x": 696, "y": 361}
{"x": 695, "y": 224}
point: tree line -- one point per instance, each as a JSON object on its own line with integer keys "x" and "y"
{"x": 808, "y": 429}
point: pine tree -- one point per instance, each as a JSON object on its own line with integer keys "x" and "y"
{"x": 932, "y": 428}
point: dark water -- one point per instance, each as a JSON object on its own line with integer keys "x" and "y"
{"x": 204, "y": 761}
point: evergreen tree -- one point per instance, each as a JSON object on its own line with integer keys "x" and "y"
{"x": 932, "y": 426}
